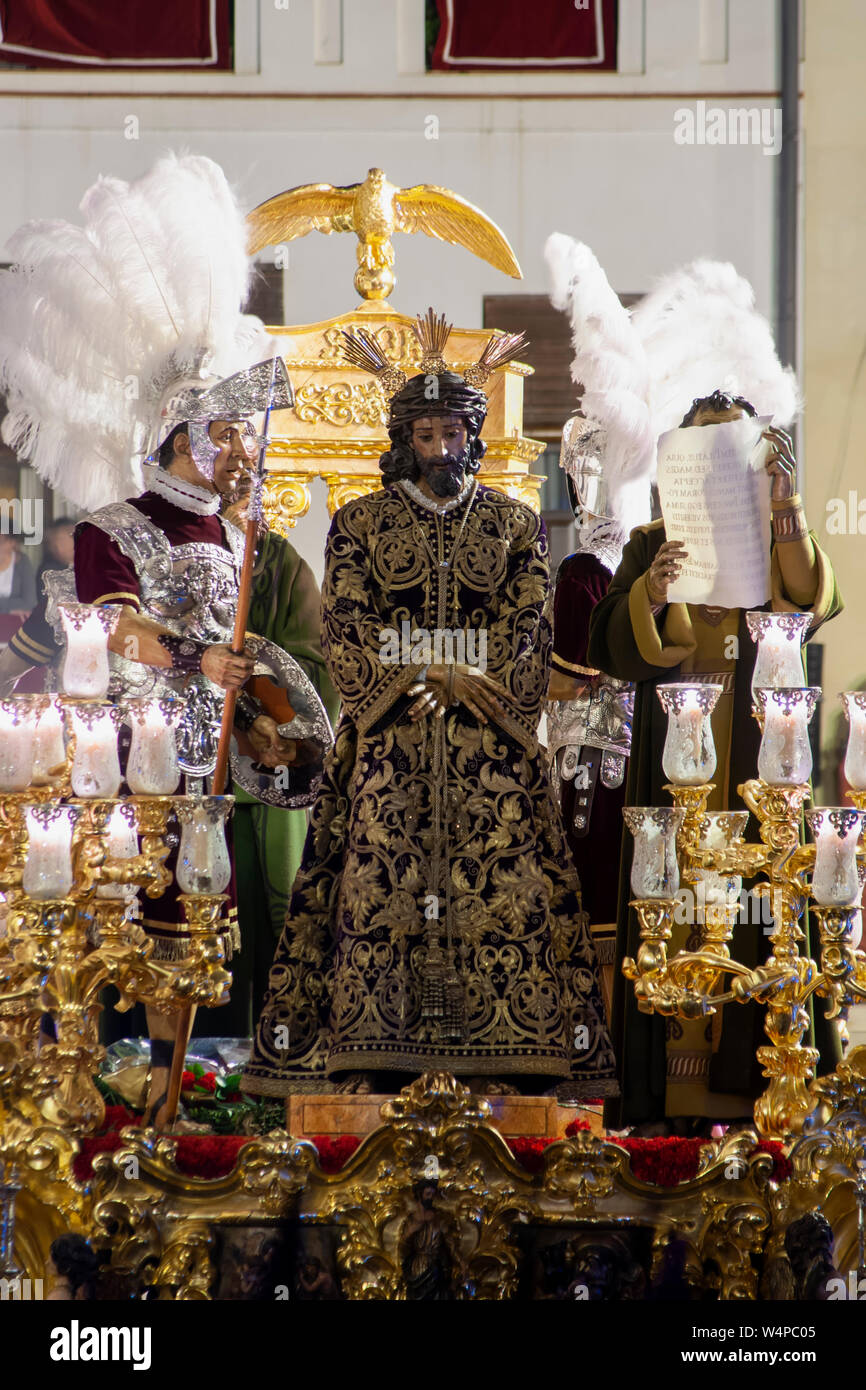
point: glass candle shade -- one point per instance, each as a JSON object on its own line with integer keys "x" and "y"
{"x": 48, "y": 868}
{"x": 121, "y": 842}
{"x": 721, "y": 830}
{"x": 855, "y": 755}
{"x": 152, "y": 767}
{"x": 785, "y": 756}
{"x": 203, "y": 860}
{"x": 18, "y": 715}
{"x": 85, "y": 665}
{"x": 96, "y": 766}
{"x": 654, "y": 869}
{"x": 49, "y": 748}
{"x": 835, "y": 879}
{"x": 779, "y": 659}
{"x": 689, "y": 754}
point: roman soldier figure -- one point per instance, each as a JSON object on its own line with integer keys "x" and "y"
{"x": 164, "y": 368}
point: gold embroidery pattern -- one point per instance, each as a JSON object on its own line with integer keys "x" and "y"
{"x": 345, "y": 989}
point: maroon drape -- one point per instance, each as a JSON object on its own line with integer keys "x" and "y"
{"x": 129, "y": 33}
{"x": 522, "y": 35}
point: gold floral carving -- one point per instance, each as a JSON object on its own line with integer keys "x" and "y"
{"x": 341, "y": 403}
{"x": 162, "y": 1228}
{"x": 286, "y": 500}
{"x": 346, "y": 487}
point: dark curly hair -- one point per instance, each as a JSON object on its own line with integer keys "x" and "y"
{"x": 74, "y": 1260}
{"x": 451, "y": 395}
{"x": 719, "y": 400}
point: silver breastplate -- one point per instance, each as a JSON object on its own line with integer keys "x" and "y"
{"x": 602, "y": 718}
{"x": 191, "y": 589}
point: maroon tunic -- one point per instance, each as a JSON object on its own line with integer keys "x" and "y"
{"x": 581, "y": 581}
{"x": 103, "y": 574}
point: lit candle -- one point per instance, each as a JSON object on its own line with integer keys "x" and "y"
{"x": 85, "y": 666}
{"x": 49, "y": 750}
{"x": 835, "y": 879}
{"x": 121, "y": 842}
{"x": 721, "y": 830}
{"x": 96, "y": 766}
{"x": 785, "y": 756}
{"x": 48, "y": 869}
{"x": 855, "y": 755}
{"x": 689, "y": 755}
{"x": 654, "y": 869}
{"x": 152, "y": 767}
{"x": 779, "y": 659}
{"x": 18, "y": 715}
{"x": 203, "y": 864}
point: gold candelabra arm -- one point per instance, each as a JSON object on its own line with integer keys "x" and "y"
{"x": 777, "y": 810}
{"x": 842, "y": 977}
{"x": 692, "y": 800}
{"x": 201, "y": 978}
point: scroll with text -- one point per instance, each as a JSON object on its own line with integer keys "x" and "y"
{"x": 714, "y": 492}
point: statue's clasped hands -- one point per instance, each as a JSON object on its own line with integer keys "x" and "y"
{"x": 449, "y": 684}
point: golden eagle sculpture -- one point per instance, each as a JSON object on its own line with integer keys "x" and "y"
{"x": 374, "y": 210}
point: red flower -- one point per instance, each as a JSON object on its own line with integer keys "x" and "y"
{"x": 528, "y": 1149}
{"x": 575, "y": 1126}
{"x": 208, "y": 1155}
{"x": 207, "y": 1081}
{"x": 117, "y": 1117}
{"x": 335, "y": 1150}
{"x": 187, "y": 1081}
{"x": 782, "y": 1165}
{"x": 663, "y": 1162}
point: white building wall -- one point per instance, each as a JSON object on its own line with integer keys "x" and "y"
{"x": 589, "y": 154}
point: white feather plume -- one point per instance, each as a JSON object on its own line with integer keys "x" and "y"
{"x": 609, "y": 364}
{"x": 701, "y": 332}
{"x": 96, "y": 320}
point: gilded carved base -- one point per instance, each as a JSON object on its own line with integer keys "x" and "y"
{"x": 489, "y": 1230}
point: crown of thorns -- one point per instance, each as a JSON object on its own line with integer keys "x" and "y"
{"x": 432, "y": 332}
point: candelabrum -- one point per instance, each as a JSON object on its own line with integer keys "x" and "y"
{"x": 708, "y": 852}
{"x": 75, "y": 854}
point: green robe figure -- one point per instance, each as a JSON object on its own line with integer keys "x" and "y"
{"x": 706, "y": 1069}
{"x": 267, "y": 840}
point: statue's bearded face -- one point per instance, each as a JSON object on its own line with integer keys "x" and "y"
{"x": 441, "y": 447}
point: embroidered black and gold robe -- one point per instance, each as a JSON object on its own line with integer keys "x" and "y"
{"x": 346, "y": 985}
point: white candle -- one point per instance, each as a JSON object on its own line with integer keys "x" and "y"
{"x": 96, "y": 766}
{"x": 654, "y": 870}
{"x": 785, "y": 756}
{"x": 48, "y": 868}
{"x": 49, "y": 750}
{"x": 689, "y": 754}
{"x": 837, "y": 830}
{"x": 121, "y": 842}
{"x": 152, "y": 768}
{"x": 779, "y": 660}
{"x": 203, "y": 864}
{"x": 17, "y": 738}
{"x": 721, "y": 830}
{"x": 85, "y": 666}
{"x": 855, "y": 755}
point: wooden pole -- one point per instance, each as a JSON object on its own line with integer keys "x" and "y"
{"x": 186, "y": 1017}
